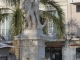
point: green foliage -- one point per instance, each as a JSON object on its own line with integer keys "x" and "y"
{"x": 16, "y": 23}
{"x": 0, "y": 16}
{"x": 17, "y": 18}
{"x": 42, "y": 20}
{"x": 44, "y": 1}
{"x": 57, "y": 21}
{"x": 3, "y": 15}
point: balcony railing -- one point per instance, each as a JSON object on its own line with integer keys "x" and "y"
{"x": 75, "y": 1}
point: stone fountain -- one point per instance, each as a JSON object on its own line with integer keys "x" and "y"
{"x": 32, "y": 40}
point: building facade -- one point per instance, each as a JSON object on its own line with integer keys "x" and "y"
{"x": 5, "y": 23}
{"x": 69, "y": 48}
{"x": 5, "y": 40}
{"x": 58, "y": 50}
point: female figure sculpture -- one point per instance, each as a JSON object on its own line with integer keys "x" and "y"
{"x": 31, "y": 8}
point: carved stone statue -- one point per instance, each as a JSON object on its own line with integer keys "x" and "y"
{"x": 31, "y": 8}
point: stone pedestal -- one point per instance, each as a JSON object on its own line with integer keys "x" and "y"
{"x": 32, "y": 45}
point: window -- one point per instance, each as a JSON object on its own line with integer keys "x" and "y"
{"x": 4, "y": 29}
{"x": 78, "y": 54}
{"x": 53, "y": 53}
{"x": 77, "y": 8}
{"x": 51, "y": 30}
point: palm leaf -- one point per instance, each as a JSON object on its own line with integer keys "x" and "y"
{"x": 57, "y": 21}
{"x": 57, "y": 24}
{"x": 16, "y": 23}
{"x": 17, "y": 18}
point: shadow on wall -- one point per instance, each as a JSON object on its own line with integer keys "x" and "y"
{"x": 73, "y": 29}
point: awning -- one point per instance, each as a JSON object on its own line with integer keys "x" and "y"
{"x": 74, "y": 44}
{"x": 2, "y": 45}
{"x": 54, "y": 44}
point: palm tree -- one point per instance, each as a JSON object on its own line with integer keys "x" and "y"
{"x": 16, "y": 22}
{"x": 17, "y": 19}
{"x": 16, "y": 25}
{"x": 58, "y": 21}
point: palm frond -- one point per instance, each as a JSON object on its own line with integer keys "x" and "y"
{"x": 44, "y": 1}
{"x": 16, "y": 23}
{"x": 58, "y": 21}
{"x": 57, "y": 24}
{"x": 17, "y": 17}
{"x": 42, "y": 20}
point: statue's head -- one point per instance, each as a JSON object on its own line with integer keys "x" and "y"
{"x": 25, "y": 5}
